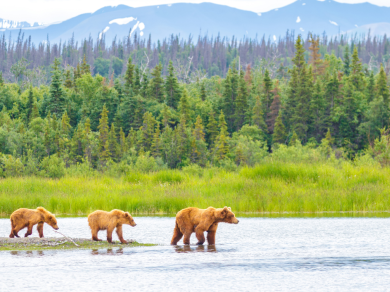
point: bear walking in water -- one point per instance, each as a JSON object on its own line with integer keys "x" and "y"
{"x": 102, "y": 220}
{"x": 22, "y": 218}
{"x": 200, "y": 220}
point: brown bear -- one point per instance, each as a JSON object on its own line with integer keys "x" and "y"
{"x": 102, "y": 220}
{"x": 200, "y": 220}
{"x": 22, "y": 218}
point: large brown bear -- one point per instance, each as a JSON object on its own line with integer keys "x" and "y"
{"x": 22, "y": 218}
{"x": 102, "y": 220}
{"x": 200, "y": 220}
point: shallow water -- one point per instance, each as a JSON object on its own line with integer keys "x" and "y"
{"x": 258, "y": 254}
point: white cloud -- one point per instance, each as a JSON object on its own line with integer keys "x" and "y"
{"x": 334, "y": 23}
{"x": 298, "y": 19}
{"x": 49, "y": 11}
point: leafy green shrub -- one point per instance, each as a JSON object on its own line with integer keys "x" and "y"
{"x": 168, "y": 176}
{"x": 135, "y": 177}
{"x": 53, "y": 167}
{"x": 193, "y": 169}
{"x": 146, "y": 163}
{"x": 12, "y": 166}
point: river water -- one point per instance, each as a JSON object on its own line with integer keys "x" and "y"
{"x": 258, "y": 254}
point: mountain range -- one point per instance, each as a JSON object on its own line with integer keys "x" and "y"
{"x": 186, "y": 19}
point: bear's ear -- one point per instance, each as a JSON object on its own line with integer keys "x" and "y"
{"x": 229, "y": 208}
{"x": 127, "y": 215}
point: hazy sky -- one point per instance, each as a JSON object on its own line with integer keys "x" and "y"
{"x": 48, "y": 11}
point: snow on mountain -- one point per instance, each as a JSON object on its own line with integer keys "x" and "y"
{"x": 187, "y": 19}
{"x": 12, "y": 24}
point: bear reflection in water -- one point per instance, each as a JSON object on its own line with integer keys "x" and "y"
{"x": 28, "y": 253}
{"x": 109, "y": 251}
{"x": 199, "y": 248}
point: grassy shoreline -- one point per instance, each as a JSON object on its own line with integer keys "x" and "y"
{"x": 31, "y": 244}
{"x": 270, "y": 188}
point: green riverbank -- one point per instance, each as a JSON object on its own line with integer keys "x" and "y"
{"x": 270, "y": 188}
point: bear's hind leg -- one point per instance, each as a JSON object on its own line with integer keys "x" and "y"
{"x": 29, "y": 230}
{"x": 40, "y": 229}
{"x": 187, "y": 236}
{"x": 12, "y": 235}
{"x": 120, "y": 234}
{"x": 94, "y": 232}
{"x": 177, "y": 235}
{"x": 199, "y": 236}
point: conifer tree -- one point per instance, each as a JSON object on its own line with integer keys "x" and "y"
{"x": 57, "y": 102}
{"x": 65, "y": 126}
{"x": 315, "y": 57}
{"x": 274, "y": 108}
{"x": 198, "y": 145}
{"x": 172, "y": 89}
{"x": 156, "y": 143}
{"x": 131, "y": 139}
{"x": 129, "y": 77}
{"x": 221, "y": 147}
{"x": 156, "y": 90}
{"x": 347, "y": 61}
{"x": 104, "y": 146}
{"x": 1, "y": 79}
{"x": 370, "y": 89}
{"x": 241, "y": 103}
{"x": 137, "y": 81}
{"x": 30, "y": 103}
{"x": 267, "y": 87}
{"x": 258, "y": 117}
{"x": 144, "y": 86}
{"x": 356, "y": 75}
{"x": 184, "y": 106}
{"x": 68, "y": 80}
{"x": 212, "y": 129}
{"x": 113, "y": 143}
{"x": 299, "y": 58}
{"x": 203, "y": 93}
{"x": 279, "y": 135}
{"x": 35, "y": 111}
{"x": 248, "y": 76}
{"x": 122, "y": 143}
{"x": 85, "y": 68}
{"x": 381, "y": 87}
{"x": 294, "y": 139}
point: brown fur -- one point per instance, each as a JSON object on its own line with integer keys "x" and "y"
{"x": 200, "y": 220}
{"x": 22, "y": 218}
{"x": 102, "y": 220}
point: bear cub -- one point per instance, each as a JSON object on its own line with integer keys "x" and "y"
{"x": 22, "y": 218}
{"x": 102, "y": 220}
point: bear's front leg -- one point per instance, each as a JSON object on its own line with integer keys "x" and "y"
{"x": 109, "y": 234}
{"x": 29, "y": 230}
{"x": 40, "y": 229}
{"x": 200, "y": 236}
{"x": 120, "y": 234}
{"x": 211, "y": 234}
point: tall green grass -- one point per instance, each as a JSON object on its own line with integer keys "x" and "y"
{"x": 270, "y": 187}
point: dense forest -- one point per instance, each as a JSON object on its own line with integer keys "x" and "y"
{"x": 22, "y": 60}
{"x": 147, "y": 120}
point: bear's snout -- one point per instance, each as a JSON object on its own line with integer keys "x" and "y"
{"x": 56, "y": 228}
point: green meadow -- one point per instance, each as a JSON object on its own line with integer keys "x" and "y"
{"x": 270, "y": 187}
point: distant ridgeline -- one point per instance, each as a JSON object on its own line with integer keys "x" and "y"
{"x": 192, "y": 59}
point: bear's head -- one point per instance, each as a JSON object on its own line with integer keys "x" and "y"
{"x": 127, "y": 219}
{"x": 49, "y": 217}
{"x": 226, "y": 215}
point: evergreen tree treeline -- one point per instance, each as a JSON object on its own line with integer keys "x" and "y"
{"x": 79, "y": 117}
